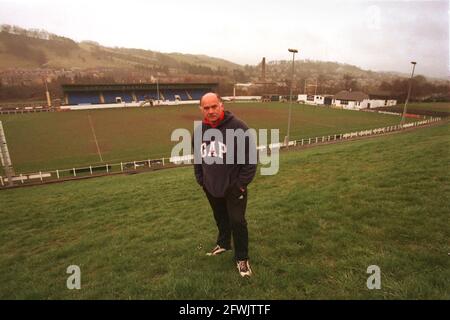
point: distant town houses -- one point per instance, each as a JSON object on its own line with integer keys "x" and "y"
{"x": 352, "y": 100}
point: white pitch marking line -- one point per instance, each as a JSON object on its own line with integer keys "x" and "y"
{"x": 95, "y": 138}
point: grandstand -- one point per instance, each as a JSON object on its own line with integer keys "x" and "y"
{"x": 82, "y": 94}
{"x": 110, "y": 96}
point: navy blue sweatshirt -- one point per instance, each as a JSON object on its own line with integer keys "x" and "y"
{"x": 217, "y": 178}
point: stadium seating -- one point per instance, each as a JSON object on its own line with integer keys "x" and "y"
{"x": 110, "y": 97}
{"x": 196, "y": 94}
{"x": 182, "y": 94}
{"x": 170, "y": 94}
{"x": 144, "y": 95}
{"x": 83, "y": 98}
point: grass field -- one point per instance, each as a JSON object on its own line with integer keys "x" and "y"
{"x": 441, "y": 109}
{"x": 314, "y": 229}
{"x": 46, "y": 141}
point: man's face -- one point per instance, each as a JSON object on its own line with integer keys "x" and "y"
{"x": 211, "y": 107}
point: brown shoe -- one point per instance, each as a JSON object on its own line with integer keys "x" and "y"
{"x": 217, "y": 250}
{"x": 244, "y": 268}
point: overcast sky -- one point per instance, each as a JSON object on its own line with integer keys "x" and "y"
{"x": 375, "y": 35}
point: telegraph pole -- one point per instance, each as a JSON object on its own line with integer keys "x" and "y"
{"x": 5, "y": 159}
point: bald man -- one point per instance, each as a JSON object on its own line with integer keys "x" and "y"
{"x": 225, "y": 180}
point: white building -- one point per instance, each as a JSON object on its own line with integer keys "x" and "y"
{"x": 381, "y": 99}
{"x": 356, "y": 100}
{"x": 315, "y": 99}
{"x": 353, "y": 100}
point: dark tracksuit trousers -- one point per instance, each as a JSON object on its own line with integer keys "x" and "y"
{"x": 229, "y": 213}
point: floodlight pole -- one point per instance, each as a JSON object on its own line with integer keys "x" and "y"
{"x": 47, "y": 94}
{"x": 5, "y": 159}
{"x": 409, "y": 92}
{"x": 286, "y": 139}
{"x": 157, "y": 89}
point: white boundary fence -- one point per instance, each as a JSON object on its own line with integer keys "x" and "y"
{"x": 133, "y": 166}
{"x": 25, "y": 110}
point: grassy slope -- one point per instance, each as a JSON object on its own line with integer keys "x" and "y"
{"x": 314, "y": 229}
{"x": 430, "y": 106}
{"x": 63, "y": 140}
{"x": 25, "y": 52}
{"x": 439, "y": 107}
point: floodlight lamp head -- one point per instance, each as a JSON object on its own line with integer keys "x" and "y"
{"x": 413, "y": 62}
{"x": 293, "y": 50}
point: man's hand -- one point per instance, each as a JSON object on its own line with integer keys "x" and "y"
{"x": 242, "y": 189}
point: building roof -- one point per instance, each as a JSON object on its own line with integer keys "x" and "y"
{"x": 351, "y": 95}
{"x": 385, "y": 95}
{"x": 135, "y": 86}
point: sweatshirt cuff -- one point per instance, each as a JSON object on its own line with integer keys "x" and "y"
{"x": 241, "y": 185}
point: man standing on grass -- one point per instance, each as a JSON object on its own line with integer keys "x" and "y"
{"x": 224, "y": 170}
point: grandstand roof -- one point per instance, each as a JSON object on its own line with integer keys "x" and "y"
{"x": 135, "y": 86}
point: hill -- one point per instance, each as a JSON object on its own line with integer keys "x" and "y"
{"x": 25, "y": 51}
